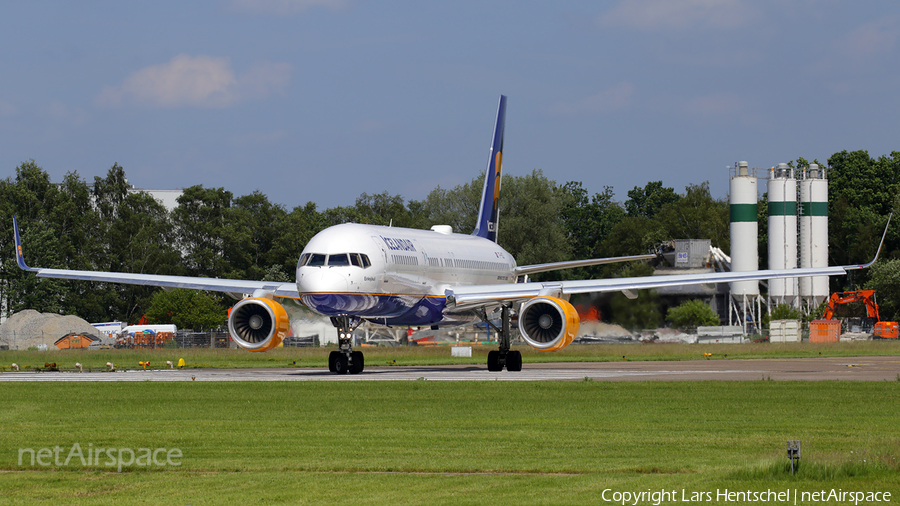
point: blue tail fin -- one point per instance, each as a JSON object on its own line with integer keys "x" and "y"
{"x": 488, "y": 212}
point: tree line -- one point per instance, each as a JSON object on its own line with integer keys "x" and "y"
{"x": 212, "y": 233}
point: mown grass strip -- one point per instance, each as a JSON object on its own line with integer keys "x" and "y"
{"x": 430, "y": 442}
{"x": 436, "y": 355}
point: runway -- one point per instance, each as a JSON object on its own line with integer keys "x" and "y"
{"x": 806, "y": 369}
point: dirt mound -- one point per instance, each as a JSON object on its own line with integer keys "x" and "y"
{"x": 30, "y": 328}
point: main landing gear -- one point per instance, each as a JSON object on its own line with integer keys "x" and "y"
{"x": 504, "y": 357}
{"x": 344, "y": 359}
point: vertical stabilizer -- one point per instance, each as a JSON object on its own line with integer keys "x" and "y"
{"x": 488, "y": 212}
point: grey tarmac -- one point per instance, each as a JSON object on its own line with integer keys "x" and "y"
{"x": 792, "y": 369}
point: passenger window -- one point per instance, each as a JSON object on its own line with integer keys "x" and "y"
{"x": 316, "y": 259}
{"x": 338, "y": 260}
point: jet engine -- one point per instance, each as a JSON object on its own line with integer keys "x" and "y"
{"x": 548, "y": 323}
{"x": 258, "y": 324}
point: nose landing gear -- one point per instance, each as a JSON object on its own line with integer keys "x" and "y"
{"x": 344, "y": 360}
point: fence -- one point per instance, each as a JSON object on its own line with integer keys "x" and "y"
{"x": 180, "y": 339}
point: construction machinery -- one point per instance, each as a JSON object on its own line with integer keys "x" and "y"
{"x": 882, "y": 329}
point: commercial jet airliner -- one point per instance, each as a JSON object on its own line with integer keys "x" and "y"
{"x": 405, "y": 277}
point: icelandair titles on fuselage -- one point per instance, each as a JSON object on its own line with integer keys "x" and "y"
{"x": 398, "y": 244}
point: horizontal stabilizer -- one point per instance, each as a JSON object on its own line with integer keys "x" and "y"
{"x": 523, "y": 270}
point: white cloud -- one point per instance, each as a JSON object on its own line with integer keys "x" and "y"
{"x": 283, "y": 7}
{"x": 610, "y": 99}
{"x": 201, "y": 81}
{"x": 677, "y": 14}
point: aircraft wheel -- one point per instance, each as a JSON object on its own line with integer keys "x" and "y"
{"x": 514, "y": 361}
{"x": 341, "y": 365}
{"x": 358, "y": 362}
{"x": 332, "y": 358}
{"x": 493, "y": 361}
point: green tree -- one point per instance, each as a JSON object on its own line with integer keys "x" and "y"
{"x": 697, "y": 215}
{"x": 294, "y": 231}
{"x": 531, "y": 228}
{"x": 187, "y": 309}
{"x": 692, "y": 314}
{"x": 781, "y": 312}
{"x": 201, "y": 226}
{"x": 588, "y": 225}
{"x": 252, "y": 227}
{"x": 59, "y": 225}
{"x": 457, "y": 207}
{"x": 884, "y": 278}
{"x": 378, "y": 209}
{"x": 648, "y": 201}
{"x": 640, "y": 313}
{"x": 862, "y": 192}
{"x": 140, "y": 240}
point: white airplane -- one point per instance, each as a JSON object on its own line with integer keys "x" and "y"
{"x": 407, "y": 277}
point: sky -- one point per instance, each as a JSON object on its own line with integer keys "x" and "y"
{"x": 322, "y": 100}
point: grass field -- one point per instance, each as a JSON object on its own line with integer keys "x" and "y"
{"x": 448, "y": 443}
{"x": 436, "y": 355}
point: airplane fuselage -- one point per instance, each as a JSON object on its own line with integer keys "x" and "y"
{"x": 395, "y": 276}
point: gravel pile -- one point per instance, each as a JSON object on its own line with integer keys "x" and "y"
{"x": 30, "y": 328}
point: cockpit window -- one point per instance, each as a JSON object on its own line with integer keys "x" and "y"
{"x": 360, "y": 260}
{"x": 338, "y": 259}
{"x": 335, "y": 260}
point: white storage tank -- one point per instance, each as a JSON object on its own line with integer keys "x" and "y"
{"x": 814, "y": 233}
{"x": 744, "y": 229}
{"x": 782, "y": 191}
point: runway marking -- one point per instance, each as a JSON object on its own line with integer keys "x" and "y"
{"x": 392, "y": 374}
{"x": 810, "y": 369}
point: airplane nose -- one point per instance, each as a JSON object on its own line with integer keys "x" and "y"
{"x": 322, "y": 280}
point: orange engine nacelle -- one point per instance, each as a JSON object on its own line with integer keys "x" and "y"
{"x": 548, "y": 323}
{"x": 258, "y": 324}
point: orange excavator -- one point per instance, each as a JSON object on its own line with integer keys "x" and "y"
{"x": 883, "y": 330}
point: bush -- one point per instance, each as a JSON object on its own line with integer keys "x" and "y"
{"x": 781, "y": 312}
{"x": 692, "y": 314}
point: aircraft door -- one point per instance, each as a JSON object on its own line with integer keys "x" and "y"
{"x": 381, "y": 263}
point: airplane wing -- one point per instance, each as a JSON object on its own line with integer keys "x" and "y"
{"x": 467, "y": 297}
{"x": 555, "y": 266}
{"x": 230, "y": 286}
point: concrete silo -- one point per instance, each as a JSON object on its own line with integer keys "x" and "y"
{"x": 813, "y": 234}
{"x": 782, "y": 191}
{"x": 743, "y": 197}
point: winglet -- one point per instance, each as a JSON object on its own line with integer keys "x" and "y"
{"x": 866, "y": 266}
{"x": 20, "y": 259}
{"x": 488, "y": 213}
